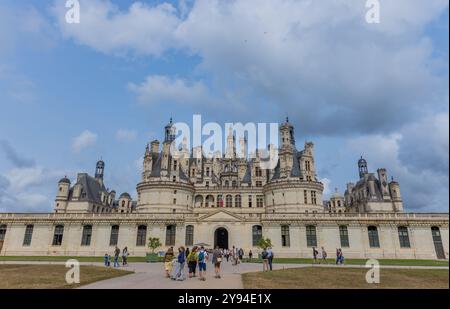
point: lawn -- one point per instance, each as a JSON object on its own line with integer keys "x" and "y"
{"x": 51, "y": 276}
{"x": 346, "y": 278}
{"x": 65, "y": 258}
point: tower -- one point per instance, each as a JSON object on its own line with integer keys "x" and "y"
{"x": 169, "y": 132}
{"x": 362, "y": 167}
{"x": 382, "y": 177}
{"x": 287, "y": 134}
{"x": 99, "y": 170}
{"x": 62, "y": 195}
{"x": 286, "y": 153}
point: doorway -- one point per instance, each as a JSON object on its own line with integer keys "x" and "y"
{"x": 221, "y": 238}
{"x": 437, "y": 240}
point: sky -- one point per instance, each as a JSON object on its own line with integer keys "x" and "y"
{"x": 71, "y": 94}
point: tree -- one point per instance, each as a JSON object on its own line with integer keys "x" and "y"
{"x": 264, "y": 243}
{"x": 154, "y": 243}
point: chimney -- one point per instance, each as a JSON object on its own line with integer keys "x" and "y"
{"x": 155, "y": 146}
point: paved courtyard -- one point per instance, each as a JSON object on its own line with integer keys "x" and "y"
{"x": 152, "y": 275}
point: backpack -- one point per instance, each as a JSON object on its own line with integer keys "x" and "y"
{"x": 264, "y": 255}
{"x": 201, "y": 256}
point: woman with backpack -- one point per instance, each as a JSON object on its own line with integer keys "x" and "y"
{"x": 202, "y": 258}
{"x": 192, "y": 262}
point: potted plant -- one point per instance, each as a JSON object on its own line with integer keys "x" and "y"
{"x": 153, "y": 244}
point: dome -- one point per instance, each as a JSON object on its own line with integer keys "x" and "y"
{"x": 64, "y": 180}
{"x": 362, "y": 161}
{"x": 125, "y": 195}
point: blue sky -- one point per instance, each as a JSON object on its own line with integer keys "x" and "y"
{"x": 73, "y": 93}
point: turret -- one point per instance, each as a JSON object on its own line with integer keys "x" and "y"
{"x": 382, "y": 177}
{"x": 362, "y": 167}
{"x": 394, "y": 189}
{"x": 99, "y": 171}
{"x": 155, "y": 146}
{"x": 62, "y": 195}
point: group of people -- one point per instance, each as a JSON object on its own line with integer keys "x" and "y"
{"x": 267, "y": 258}
{"x": 324, "y": 255}
{"x": 117, "y": 254}
{"x": 196, "y": 258}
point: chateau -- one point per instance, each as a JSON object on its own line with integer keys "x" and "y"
{"x": 228, "y": 200}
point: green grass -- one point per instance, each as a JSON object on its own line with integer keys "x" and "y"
{"x": 143, "y": 259}
{"x": 345, "y": 278}
{"x": 392, "y": 262}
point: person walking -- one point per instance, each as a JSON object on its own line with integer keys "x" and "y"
{"x": 125, "y": 256}
{"x": 216, "y": 260}
{"x": 240, "y": 254}
{"x": 192, "y": 262}
{"x": 116, "y": 257}
{"x": 324, "y": 256}
{"x": 265, "y": 260}
{"x": 315, "y": 253}
{"x": 250, "y": 255}
{"x": 106, "y": 260}
{"x": 233, "y": 256}
{"x": 270, "y": 257}
{"x": 168, "y": 258}
{"x": 227, "y": 255}
{"x": 202, "y": 258}
{"x": 179, "y": 274}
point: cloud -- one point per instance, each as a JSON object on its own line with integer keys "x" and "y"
{"x": 123, "y": 135}
{"x": 142, "y": 29}
{"x": 16, "y": 159}
{"x": 157, "y": 89}
{"x": 84, "y": 140}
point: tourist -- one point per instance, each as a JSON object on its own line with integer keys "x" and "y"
{"x": 168, "y": 258}
{"x": 339, "y": 257}
{"x": 265, "y": 260}
{"x": 179, "y": 274}
{"x": 250, "y": 255}
{"x": 202, "y": 258}
{"x": 216, "y": 260}
{"x": 315, "y": 253}
{"x": 233, "y": 256}
{"x": 116, "y": 257}
{"x": 240, "y": 254}
{"x": 187, "y": 252}
{"x": 270, "y": 257}
{"x": 227, "y": 255}
{"x": 192, "y": 262}
{"x": 106, "y": 260}
{"x": 125, "y": 256}
{"x": 324, "y": 256}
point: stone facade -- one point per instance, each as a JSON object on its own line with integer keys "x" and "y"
{"x": 229, "y": 200}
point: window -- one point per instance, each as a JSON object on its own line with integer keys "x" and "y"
{"x": 258, "y": 172}
{"x": 229, "y": 201}
{"x": 250, "y": 201}
{"x": 174, "y": 178}
{"x": 141, "y": 235}
{"x": 175, "y": 165}
{"x": 237, "y": 201}
{"x": 174, "y": 201}
{"x": 259, "y": 183}
{"x": 58, "y": 235}
{"x": 285, "y": 238}
{"x": 234, "y": 184}
{"x": 403, "y": 237}
{"x": 207, "y": 184}
{"x": 256, "y": 235}
{"x": 114, "y": 237}
{"x": 170, "y": 235}
{"x": 28, "y": 235}
{"x": 207, "y": 171}
{"x": 189, "y": 235}
{"x": 2, "y": 231}
{"x": 311, "y": 236}
{"x": 260, "y": 201}
{"x": 305, "y": 195}
{"x": 313, "y": 197}
{"x": 227, "y": 183}
{"x": 374, "y": 241}
{"x": 343, "y": 233}
{"x": 307, "y": 166}
{"x": 87, "y": 235}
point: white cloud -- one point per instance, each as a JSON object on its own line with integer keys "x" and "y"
{"x": 157, "y": 89}
{"x": 84, "y": 140}
{"x": 124, "y": 135}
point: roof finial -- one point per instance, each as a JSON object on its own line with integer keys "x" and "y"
{"x": 287, "y": 119}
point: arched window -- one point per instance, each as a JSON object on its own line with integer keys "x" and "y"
{"x": 256, "y": 235}
{"x": 343, "y": 233}
{"x": 285, "y": 237}
{"x": 58, "y": 235}
{"x": 209, "y": 201}
{"x": 2, "y": 232}
{"x": 227, "y": 183}
{"x": 229, "y": 201}
{"x": 28, "y": 235}
{"x": 170, "y": 235}
{"x": 87, "y": 235}
{"x": 189, "y": 235}
{"x": 141, "y": 235}
{"x": 374, "y": 241}
{"x": 403, "y": 236}
{"x": 311, "y": 236}
{"x": 114, "y": 237}
{"x": 238, "y": 201}
{"x": 198, "y": 201}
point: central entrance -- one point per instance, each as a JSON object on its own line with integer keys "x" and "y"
{"x": 221, "y": 238}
